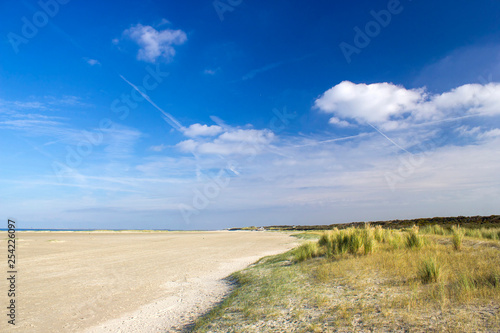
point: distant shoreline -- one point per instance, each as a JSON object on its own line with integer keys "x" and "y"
{"x": 469, "y": 221}
{"x": 104, "y": 230}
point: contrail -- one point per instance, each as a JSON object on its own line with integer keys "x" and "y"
{"x": 253, "y": 73}
{"x": 167, "y": 116}
{"x": 446, "y": 120}
{"x": 385, "y": 136}
{"x": 421, "y": 124}
{"x": 332, "y": 140}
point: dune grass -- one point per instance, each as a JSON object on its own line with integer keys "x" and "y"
{"x": 307, "y": 251}
{"x": 457, "y": 238}
{"x": 368, "y": 279}
{"x": 429, "y": 270}
{"x": 413, "y": 239}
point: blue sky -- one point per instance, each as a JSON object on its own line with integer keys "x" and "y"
{"x": 215, "y": 114}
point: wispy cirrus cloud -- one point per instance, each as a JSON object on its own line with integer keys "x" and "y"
{"x": 158, "y": 148}
{"x": 478, "y": 132}
{"x": 325, "y": 175}
{"x": 117, "y": 140}
{"x": 44, "y": 104}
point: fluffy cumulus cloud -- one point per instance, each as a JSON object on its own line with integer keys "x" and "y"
{"x": 470, "y": 99}
{"x": 373, "y": 103}
{"x": 392, "y": 107}
{"x": 231, "y": 141}
{"x": 202, "y": 130}
{"x": 337, "y": 122}
{"x": 155, "y": 44}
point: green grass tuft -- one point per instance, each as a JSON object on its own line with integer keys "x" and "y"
{"x": 352, "y": 241}
{"x": 413, "y": 239}
{"x": 306, "y": 251}
{"x": 429, "y": 271}
{"x": 435, "y": 229}
{"x": 458, "y": 235}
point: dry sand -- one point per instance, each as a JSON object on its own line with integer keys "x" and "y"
{"x": 126, "y": 281}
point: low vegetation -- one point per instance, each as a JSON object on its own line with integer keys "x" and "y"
{"x": 485, "y": 233}
{"x": 469, "y": 222}
{"x": 433, "y": 278}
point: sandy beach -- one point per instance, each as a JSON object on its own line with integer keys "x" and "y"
{"x": 128, "y": 281}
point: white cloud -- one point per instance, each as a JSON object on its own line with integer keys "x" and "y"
{"x": 337, "y": 122}
{"x": 202, "y": 130}
{"x": 120, "y": 140}
{"x": 93, "y": 62}
{"x": 155, "y": 44}
{"x": 478, "y": 133}
{"x": 116, "y": 140}
{"x": 322, "y": 184}
{"x": 374, "y": 103}
{"x": 467, "y": 131}
{"x": 392, "y": 107}
{"x": 250, "y": 136}
{"x": 158, "y": 148}
{"x": 187, "y": 145}
{"x": 163, "y": 21}
{"x": 320, "y": 178}
{"x": 470, "y": 99}
{"x": 28, "y": 105}
{"x": 492, "y": 134}
{"x": 233, "y": 141}
{"x": 29, "y": 123}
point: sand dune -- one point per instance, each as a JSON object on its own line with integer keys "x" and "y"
{"x": 128, "y": 282}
